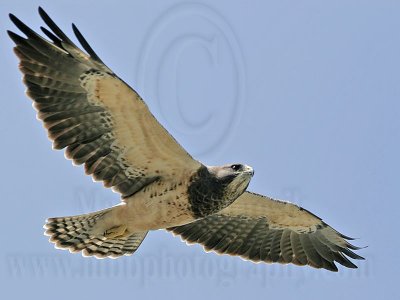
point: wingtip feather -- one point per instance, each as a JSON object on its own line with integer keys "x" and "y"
{"x": 41, "y": 10}
{"x": 85, "y": 44}
{"x": 54, "y": 27}
{"x": 17, "y": 22}
{"x": 12, "y": 17}
{"x": 43, "y": 14}
{"x": 15, "y": 37}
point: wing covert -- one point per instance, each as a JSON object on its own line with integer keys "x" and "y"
{"x": 101, "y": 121}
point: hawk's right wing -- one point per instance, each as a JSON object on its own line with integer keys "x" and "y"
{"x": 101, "y": 121}
{"x": 259, "y": 228}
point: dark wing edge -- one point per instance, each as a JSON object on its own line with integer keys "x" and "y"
{"x": 254, "y": 238}
{"x": 53, "y": 71}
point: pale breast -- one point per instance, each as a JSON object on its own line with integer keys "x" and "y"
{"x": 162, "y": 204}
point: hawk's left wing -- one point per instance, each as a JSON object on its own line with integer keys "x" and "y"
{"x": 259, "y": 228}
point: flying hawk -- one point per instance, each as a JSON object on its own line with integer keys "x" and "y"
{"x": 106, "y": 126}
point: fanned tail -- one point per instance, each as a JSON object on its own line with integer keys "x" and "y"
{"x": 76, "y": 234}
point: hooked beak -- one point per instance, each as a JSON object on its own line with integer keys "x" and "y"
{"x": 248, "y": 170}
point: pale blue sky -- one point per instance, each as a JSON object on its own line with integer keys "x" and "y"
{"x": 306, "y": 92}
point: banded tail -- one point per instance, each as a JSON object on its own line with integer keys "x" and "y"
{"x": 92, "y": 234}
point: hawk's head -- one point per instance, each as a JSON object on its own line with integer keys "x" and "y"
{"x": 233, "y": 178}
{"x": 214, "y": 188}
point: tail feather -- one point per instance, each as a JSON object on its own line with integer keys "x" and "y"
{"x": 75, "y": 234}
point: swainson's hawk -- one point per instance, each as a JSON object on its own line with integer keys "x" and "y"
{"x": 106, "y": 126}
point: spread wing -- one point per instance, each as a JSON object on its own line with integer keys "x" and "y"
{"x": 259, "y": 228}
{"x": 87, "y": 109}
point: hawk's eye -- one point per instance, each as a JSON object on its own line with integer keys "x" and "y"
{"x": 236, "y": 167}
